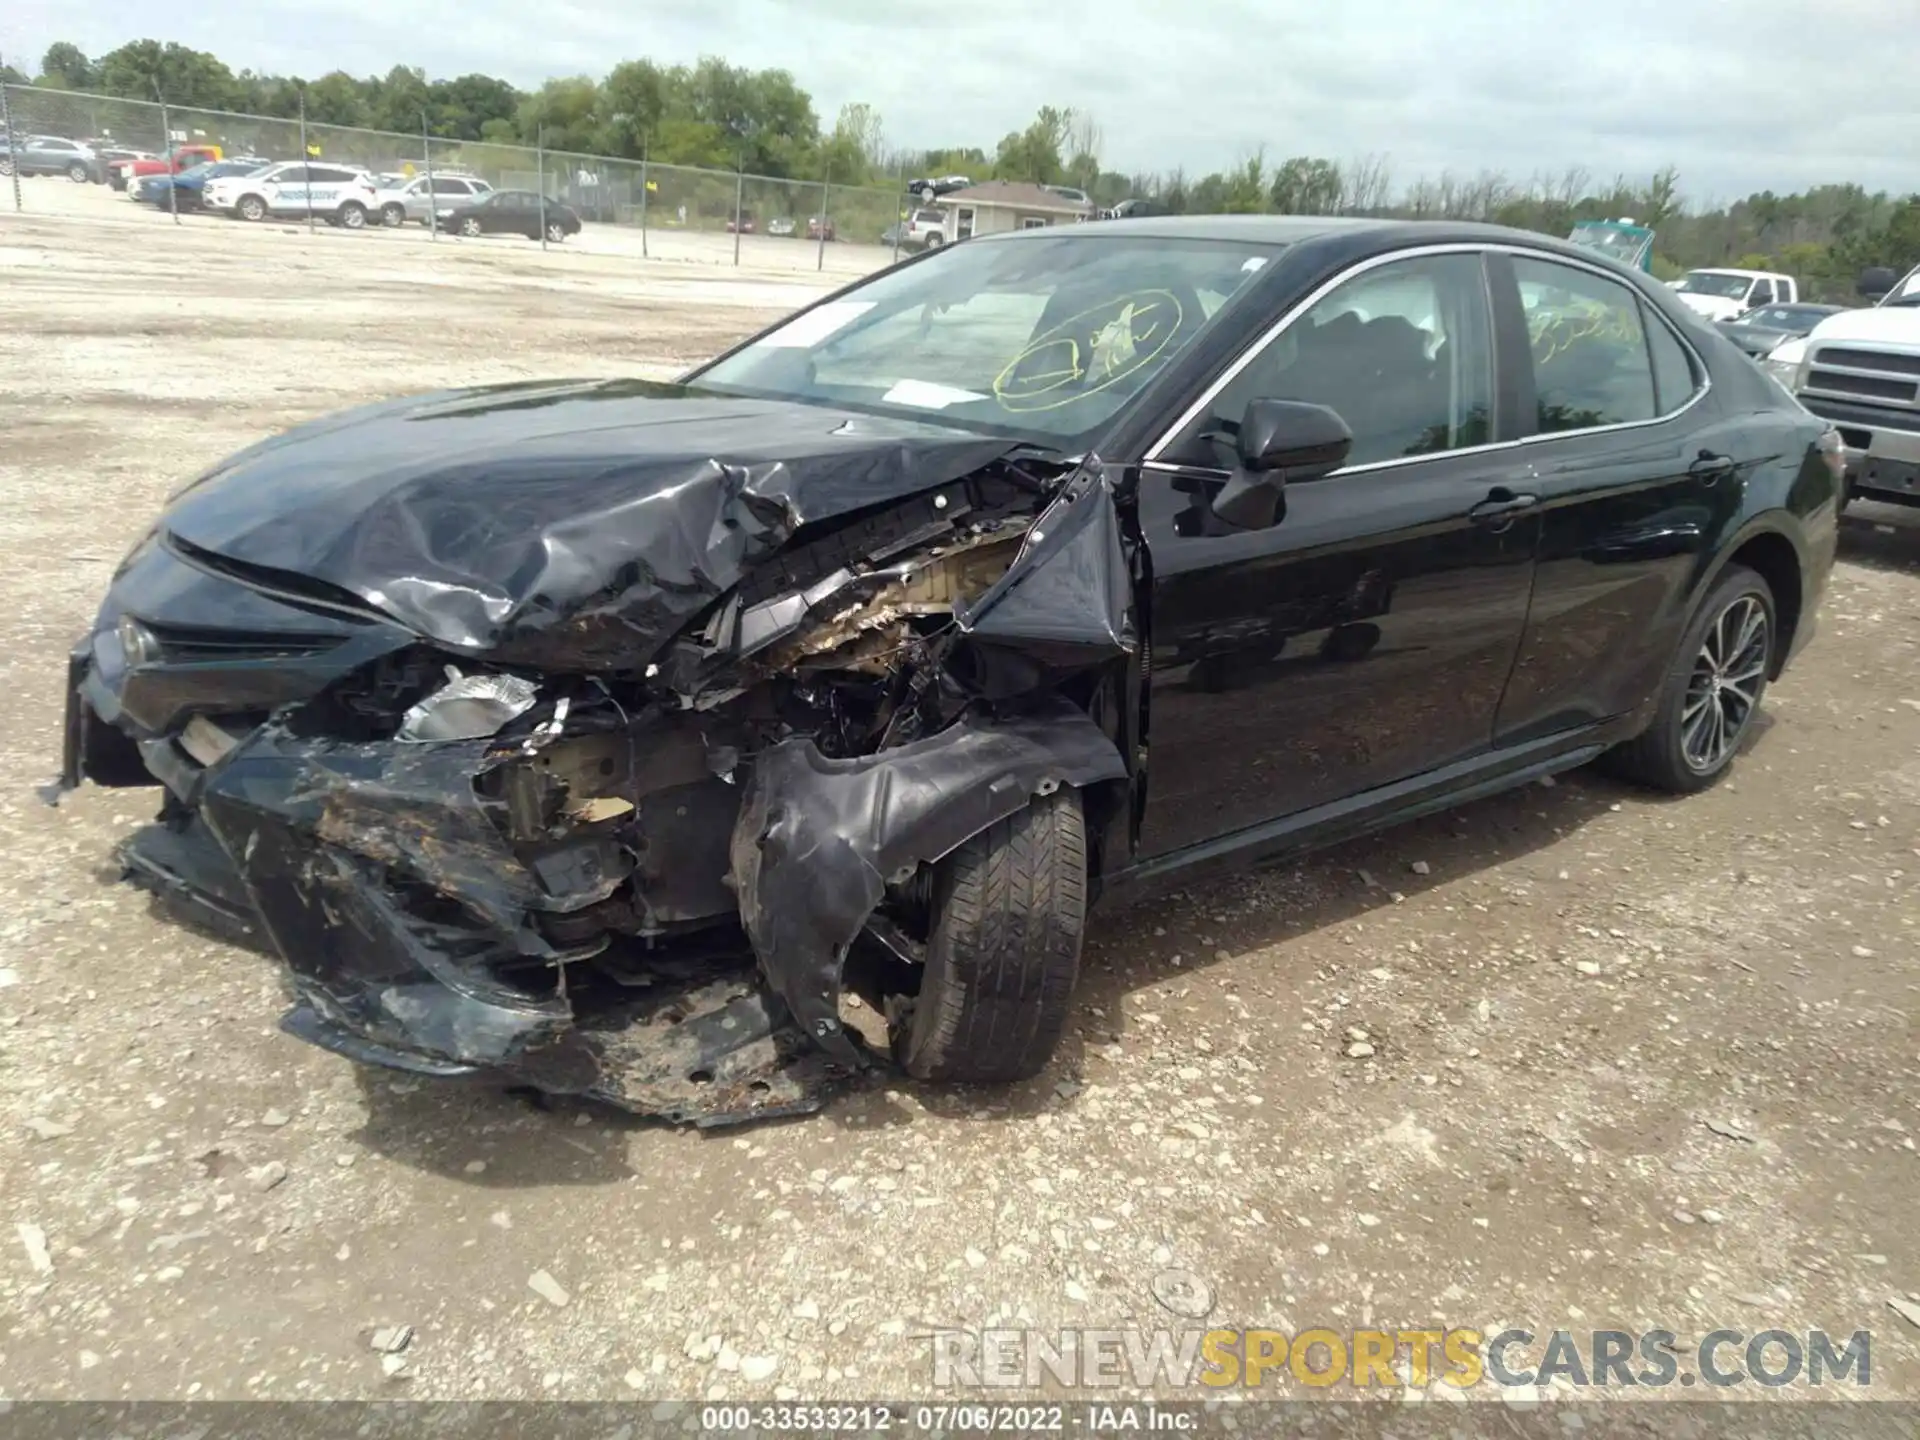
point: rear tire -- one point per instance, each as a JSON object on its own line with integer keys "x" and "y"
{"x": 1711, "y": 692}
{"x": 1009, "y": 912}
{"x": 936, "y": 240}
{"x": 351, "y": 216}
{"x": 393, "y": 215}
{"x": 6, "y": 165}
{"x": 470, "y": 228}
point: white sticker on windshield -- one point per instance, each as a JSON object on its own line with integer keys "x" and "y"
{"x": 1254, "y": 262}
{"x": 927, "y": 395}
{"x": 814, "y": 326}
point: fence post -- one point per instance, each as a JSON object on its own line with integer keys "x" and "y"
{"x": 166, "y": 151}
{"x": 540, "y": 166}
{"x": 306, "y": 158}
{"x": 426, "y": 157}
{"x": 826, "y": 188}
{"x": 739, "y": 195}
{"x": 6, "y": 124}
{"x": 643, "y": 199}
{"x": 900, "y": 221}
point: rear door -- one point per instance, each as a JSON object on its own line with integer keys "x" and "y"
{"x": 1368, "y": 635}
{"x": 1636, "y": 474}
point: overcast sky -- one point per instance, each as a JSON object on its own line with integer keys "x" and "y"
{"x": 1763, "y": 94}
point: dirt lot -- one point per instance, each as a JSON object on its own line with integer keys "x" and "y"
{"x": 1635, "y": 1063}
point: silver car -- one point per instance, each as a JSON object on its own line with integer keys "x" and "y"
{"x": 413, "y": 202}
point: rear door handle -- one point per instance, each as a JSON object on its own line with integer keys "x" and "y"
{"x": 1500, "y": 506}
{"x": 1709, "y": 467}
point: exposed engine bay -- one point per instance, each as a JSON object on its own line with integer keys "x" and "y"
{"x": 647, "y": 884}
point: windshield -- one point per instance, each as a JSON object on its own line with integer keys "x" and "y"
{"x": 1044, "y": 337}
{"x": 1620, "y": 243}
{"x": 1907, "y": 292}
{"x": 1704, "y": 282}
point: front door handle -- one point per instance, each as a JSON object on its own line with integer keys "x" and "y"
{"x": 1709, "y": 467}
{"x": 1500, "y": 506}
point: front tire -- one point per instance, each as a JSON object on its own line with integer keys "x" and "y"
{"x": 470, "y": 228}
{"x": 251, "y": 208}
{"x": 77, "y": 173}
{"x": 1009, "y": 912}
{"x": 393, "y": 215}
{"x": 556, "y": 232}
{"x": 1711, "y": 692}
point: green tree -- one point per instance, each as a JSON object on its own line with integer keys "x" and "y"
{"x": 464, "y": 106}
{"x": 1306, "y": 186}
{"x": 186, "y": 77}
{"x": 11, "y": 76}
{"x": 336, "y": 98}
{"x": 1034, "y": 154}
{"x": 66, "y": 67}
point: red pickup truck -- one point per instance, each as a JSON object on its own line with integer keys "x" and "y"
{"x": 182, "y": 157}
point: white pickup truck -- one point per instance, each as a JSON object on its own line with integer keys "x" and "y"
{"x": 1861, "y": 370}
{"x": 1724, "y": 294}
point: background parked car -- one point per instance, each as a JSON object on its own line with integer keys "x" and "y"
{"x": 1759, "y": 331}
{"x": 930, "y": 189}
{"x": 513, "y": 212}
{"x": 819, "y": 227}
{"x": 52, "y": 155}
{"x": 782, "y": 225}
{"x": 122, "y": 173}
{"x": 419, "y": 200}
{"x": 741, "y": 224}
{"x": 344, "y": 196}
{"x": 926, "y": 230}
{"x": 189, "y": 186}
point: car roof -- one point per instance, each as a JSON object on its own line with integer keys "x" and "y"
{"x": 1360, "y": 235}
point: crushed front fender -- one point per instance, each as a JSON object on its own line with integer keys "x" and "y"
{"x": 819, "y": 839}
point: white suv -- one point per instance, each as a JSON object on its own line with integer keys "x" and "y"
{"x": 410, "y": 200}
{"x": 341, "y": 195}
{"x": 927, "y": 228}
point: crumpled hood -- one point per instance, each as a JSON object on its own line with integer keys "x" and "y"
{"x": 574, "y": 526}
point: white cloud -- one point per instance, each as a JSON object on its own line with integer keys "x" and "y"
{"x": 1771, "y": 94}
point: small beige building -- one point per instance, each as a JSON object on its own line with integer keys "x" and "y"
{"x": 997, "y": 205}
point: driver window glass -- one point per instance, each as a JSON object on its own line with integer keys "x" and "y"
{"x": 1762, "y": 293}
{"x": 1401, "y": 352}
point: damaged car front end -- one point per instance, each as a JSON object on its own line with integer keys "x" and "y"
{"x": 548, "y": 787}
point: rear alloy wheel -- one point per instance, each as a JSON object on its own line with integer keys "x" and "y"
{"x": 6, "y": 165}
{"x": 252, "y": 207}
{"x": 77, "y": 173}
{"x": 393, "y": 215}
{"x": 1009, "y": 909}
{"x": 1712, "y": 691}
{"x": 470, "y": 228}
{"x": 936, "y": 240}
{"x": 352, "y": 216}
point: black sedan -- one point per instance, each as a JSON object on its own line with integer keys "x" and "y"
{"x": 513, "y": 212}
{"x": 1762, "y": 330}
{"x": 604, "y": 736}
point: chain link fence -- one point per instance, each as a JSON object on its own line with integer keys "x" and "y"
{"x": 630, "y": 206}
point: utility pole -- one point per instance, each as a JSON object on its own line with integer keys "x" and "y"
{"x": 306, "y": 155}
{"x": 166, "y": 149}
{"x": 6, "y": 128}
{"x": 739, "y": 194}
{"x": 540, "y": 164}
{"x": 426, "y": 157}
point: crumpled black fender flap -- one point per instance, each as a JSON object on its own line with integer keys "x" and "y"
{"x": 819, "y": 839}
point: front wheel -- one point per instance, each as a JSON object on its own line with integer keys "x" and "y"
{"x": 556, "y": 232}
{"x": 77, "y": 173}
{"x": 1711, "y": 693}
{"x": 6, "y": 165}
{"x": 1009, "y": 910}
{"x": 251, "y": 207}
{"x": 393, "y": 215}
{"x": 470, "y": 228}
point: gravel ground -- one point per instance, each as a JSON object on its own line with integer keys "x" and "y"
{"x": 1633, "y": 1063}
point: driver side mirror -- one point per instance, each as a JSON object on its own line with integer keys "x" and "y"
{"x": 1279, "y": 440}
